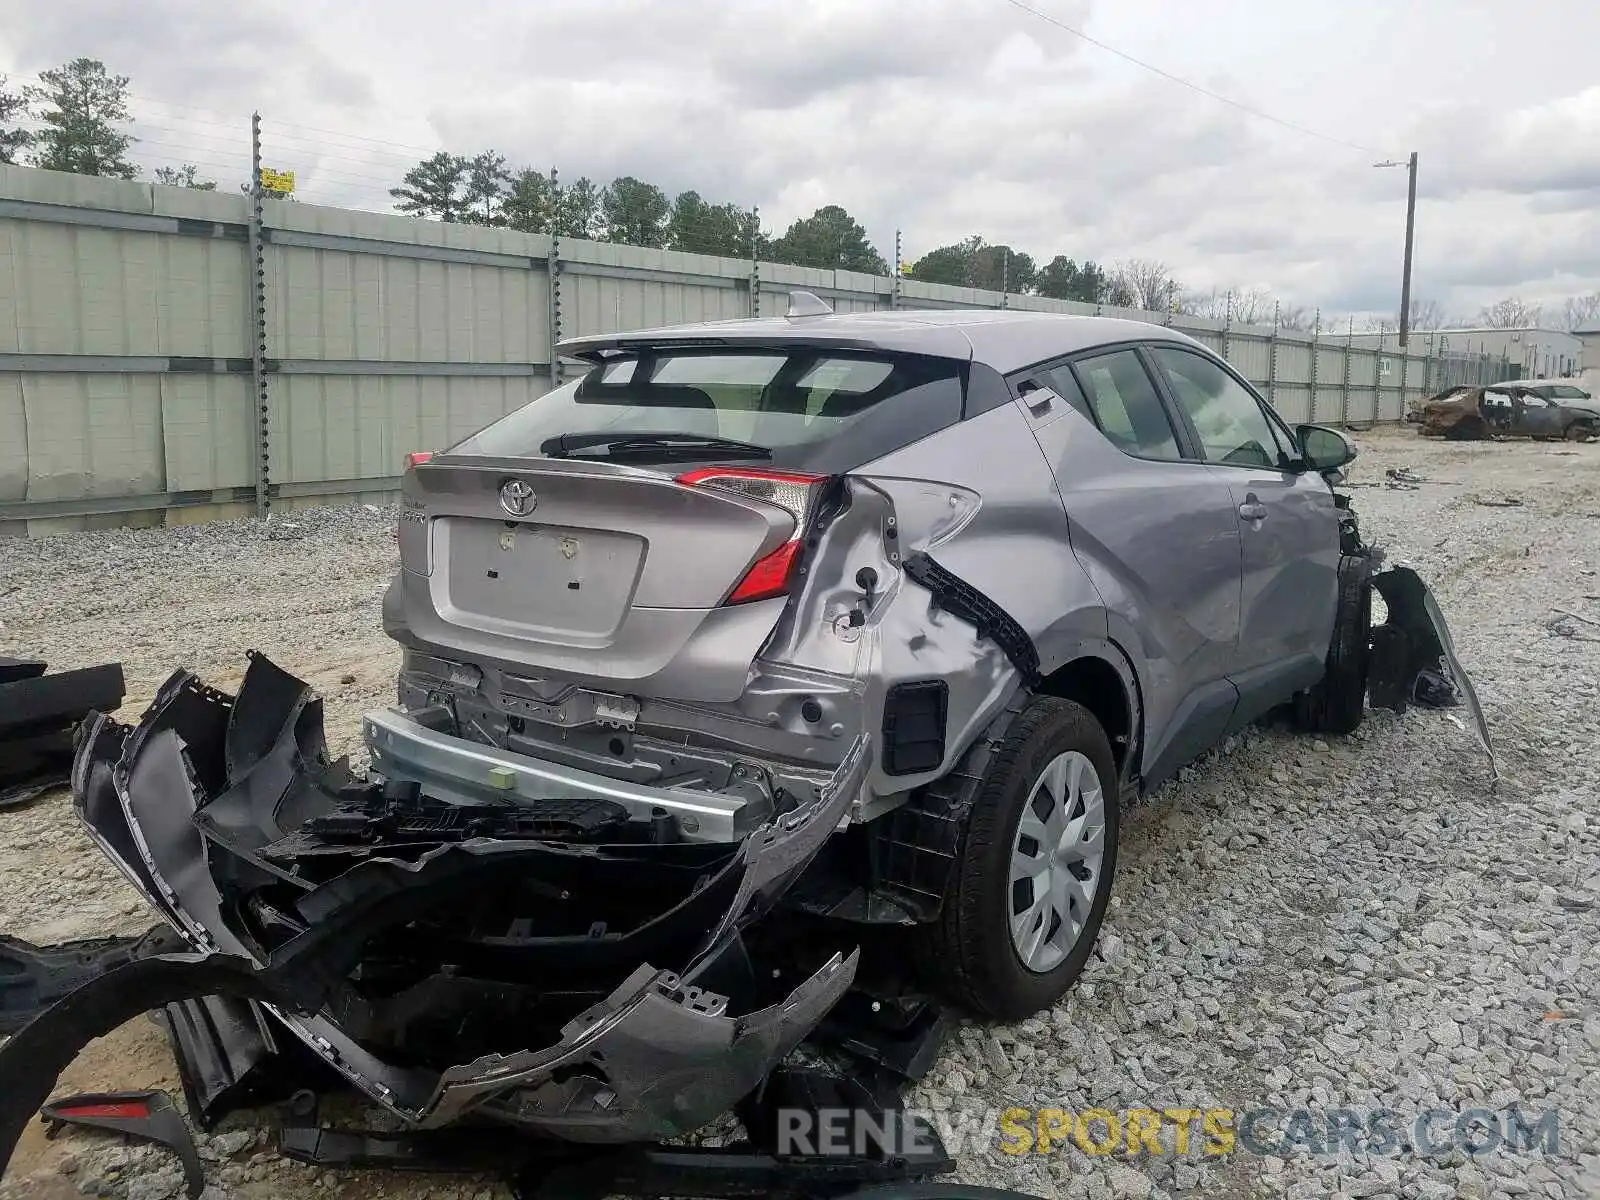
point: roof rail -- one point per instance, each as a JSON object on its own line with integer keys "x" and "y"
{"x": 807, "y": 304}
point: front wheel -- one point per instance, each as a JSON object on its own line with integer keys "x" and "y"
{"x": 1578, "y": 431}
{"x": 1033, "y": 870}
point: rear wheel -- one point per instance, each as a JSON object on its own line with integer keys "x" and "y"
{"x": 1033, "y": 870}
{"x": 1339, "y": 700}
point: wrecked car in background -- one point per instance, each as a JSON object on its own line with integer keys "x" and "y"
{"x": 1537, "y": 410}
{"x": 769, "y": 665}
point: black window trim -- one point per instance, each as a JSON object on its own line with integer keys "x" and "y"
{"x": 1180, "y": 430}
{"x": 1184, "y": 432}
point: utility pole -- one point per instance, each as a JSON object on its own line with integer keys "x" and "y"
{"x": 1411, "y": 222}
{"x": 1411, "y": 225}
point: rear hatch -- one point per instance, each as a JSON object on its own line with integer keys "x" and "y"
{"x": 600, "y": 530}
{"x": 558, "y": 552}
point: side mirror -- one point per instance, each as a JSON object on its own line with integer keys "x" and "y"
{"x": 1324, "y": 449}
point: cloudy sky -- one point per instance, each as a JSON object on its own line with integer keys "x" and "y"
{"x": 941, "y": 118}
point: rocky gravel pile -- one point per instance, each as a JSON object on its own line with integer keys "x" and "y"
{"x": 1331, "y": 930}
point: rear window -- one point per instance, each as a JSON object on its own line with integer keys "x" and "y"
{"x": 822, "y": 410}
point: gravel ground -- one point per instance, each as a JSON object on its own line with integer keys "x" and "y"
{"x": 1296, "y": 924}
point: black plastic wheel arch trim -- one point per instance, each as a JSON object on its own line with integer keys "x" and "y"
{"x": 959, "y": 598}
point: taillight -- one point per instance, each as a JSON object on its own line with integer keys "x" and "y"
{"x": 790, "y": 490}
{"x": 417, "y": 457}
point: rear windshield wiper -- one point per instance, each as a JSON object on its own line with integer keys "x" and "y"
{"x": 617, "y": 445}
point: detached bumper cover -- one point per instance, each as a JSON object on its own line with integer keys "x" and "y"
{"x": 444, "y": 959}
{"x": 1416, "y": 639}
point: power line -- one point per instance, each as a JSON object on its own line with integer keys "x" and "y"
{"x": 1194, "y": 87}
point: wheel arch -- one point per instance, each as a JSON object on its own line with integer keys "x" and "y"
{"x": 1101, "y": 679}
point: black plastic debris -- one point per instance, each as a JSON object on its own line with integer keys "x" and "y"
{"x": 886, "y": 1145}
{"x": 39, "y": 714}
{"x": 32, "y": 978}
{"x": 559, "y": 970}
{"x": 1414, "y": 659}
{"x": 233, "y": 1054}
{"x": 148, "y": 1116}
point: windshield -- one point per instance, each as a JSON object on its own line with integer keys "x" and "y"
{"x": 820, "y": 410}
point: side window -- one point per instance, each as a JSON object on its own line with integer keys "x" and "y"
{"x": 1126, "y": 405}
{"x": 1232, "y": 426}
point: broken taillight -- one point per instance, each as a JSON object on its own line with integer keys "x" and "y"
{"x": 791, "y": 491}
{"x": 417, "y": 457}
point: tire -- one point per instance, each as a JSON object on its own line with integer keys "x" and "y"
{"x": 968, "y": 954}
{"x": 1338, "y": 702}
{"x": 1578, "y": 431}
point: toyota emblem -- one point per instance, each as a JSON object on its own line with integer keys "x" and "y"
{"x": 517, "y": 498}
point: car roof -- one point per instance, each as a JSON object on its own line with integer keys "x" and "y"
{"x": 1564, "y": 382}
{"x": 1005, "y": 339}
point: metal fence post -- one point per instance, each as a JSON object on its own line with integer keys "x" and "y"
{"x": 555, "y": 277}
{"x": 1316, "y": 334}
{"x": 258, "y": 325}
{"x": 899, "y": 271}
{"x": 1227, "y": 327}
{"x": 1405, "y": 378}
{"x": 755, "y": 261}
{"x": 1272, "y": 359}
{"x": 1344, "y": 391}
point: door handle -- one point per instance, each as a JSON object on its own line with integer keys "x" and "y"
{"x": 1250, "y": 510}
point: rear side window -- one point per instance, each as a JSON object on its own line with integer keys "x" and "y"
{"x": 813, "y": 410}
{"x": 1126, "y": 406}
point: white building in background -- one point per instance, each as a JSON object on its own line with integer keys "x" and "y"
{"x": 1541, "y": 353}
{"x": 1589, "y": 368}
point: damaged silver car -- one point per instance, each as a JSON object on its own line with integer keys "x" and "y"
{"x": 766, "y": 663}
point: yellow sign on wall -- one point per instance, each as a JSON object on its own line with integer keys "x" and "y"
{"x": 281, "y": 182}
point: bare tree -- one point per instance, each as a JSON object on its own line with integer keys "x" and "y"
{"x": 1212, "y": 305}
{"x": 1428, "y": 314}
{"x": 1149, "y": 283}
{"x": 1245, "y": 306}
{"x": 1294, "y": 316}
{"x": 1252, "y": 306}
{"x": 1581, "y": 312}
{"x": 1511, "y": 313}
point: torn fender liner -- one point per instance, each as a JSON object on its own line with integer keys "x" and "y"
{"x": 147, "y": 1115}
{"x": 32, "y": 978}
{"x": 34, "y": 1058}
{"x": 1417, "y": 633}
{"x": 561, "y": 970}
{"x": 959, "y": 598}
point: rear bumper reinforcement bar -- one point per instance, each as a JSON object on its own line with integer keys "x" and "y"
{"x": 470, "y": 772}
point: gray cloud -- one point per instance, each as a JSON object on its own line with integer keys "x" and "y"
{"x": 942, "y": 119}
